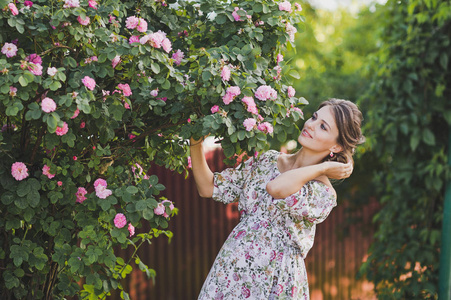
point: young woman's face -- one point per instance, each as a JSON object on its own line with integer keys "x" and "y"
{"x": 320, "y": 132}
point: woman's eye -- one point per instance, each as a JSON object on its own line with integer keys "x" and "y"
{"x": 314, "y": 117}
{"x": 323, "y": 127}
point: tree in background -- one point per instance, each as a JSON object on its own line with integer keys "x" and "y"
{"x": 92, "y": 92}
{"x": 409, "y": 114}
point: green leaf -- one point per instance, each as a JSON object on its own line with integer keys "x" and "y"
{"x": 23, "y": 82}
{"x": 294, "y": 74}
{"x": 132, "y": 189}
{"x": 155, "y": 68}
{"x": 428, "y": 137}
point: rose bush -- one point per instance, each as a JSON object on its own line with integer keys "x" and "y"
{"x": 92, "y": 92}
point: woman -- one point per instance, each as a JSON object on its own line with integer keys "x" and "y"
{"x": 281, "y": 199}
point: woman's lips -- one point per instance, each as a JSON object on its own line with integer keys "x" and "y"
{"x": 306, "y": 133}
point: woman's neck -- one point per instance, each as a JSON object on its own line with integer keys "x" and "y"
{"x": 304, "y": 158}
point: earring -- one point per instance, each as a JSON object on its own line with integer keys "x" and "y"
{"x": 331, "y": 154}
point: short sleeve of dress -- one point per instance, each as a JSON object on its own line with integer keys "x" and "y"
{"x": 312, "y": 204}
{"x": 228, "y": 184}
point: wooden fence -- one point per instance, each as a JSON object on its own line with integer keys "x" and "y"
{"x": 202, "y": 226}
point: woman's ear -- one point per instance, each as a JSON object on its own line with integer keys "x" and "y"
{"x": 336, "y": 148}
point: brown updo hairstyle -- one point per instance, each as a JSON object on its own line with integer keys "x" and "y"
{"x": 348, "y": 119}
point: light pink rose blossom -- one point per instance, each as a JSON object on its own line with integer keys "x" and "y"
{"x": 131, "y": 229}
{"x": 291, "y": 30}
{"x": 101, "y": 191}
{"x": 131, "y": 22}
{"x": 80, "y": 194}
{"x": 298, "y": 7}
{"x": 35, "y": 69}
{"x": 177, "y": 57}
{"x": 265, "y": 92}
{"x": 250, "y": 104}
{"x": 46, "y": 172}
{"x": 48, "y": 105}
{"x": 279, "y": 58}
{"x": 160, "y": 209}
{"x": 62, "y": 130}
{"x": 89, "y": 82}
{"x": 171, "y": 207}
{"x": 166, "y": 44}
{"x": 120, "y": 220}
{"x": 291, "y": 91}
{"x": 52, "y": 71}
{"x": 116, "y": 60}
{"x": 84, "y": 21}
{"x": 227, "y": 98}
{"x": 286, "y": 6}
{"x": 265, "y": 127}
{"x": 154, "y": 92}
{"x": 125, "y": 88}
{"x": 9, "y": 49}
{"x": 190, "y": 165}
{"x": 19, "y": 171}
{"x": 60, "y": 183}
{"x": 225, "y": 73}
{"x": 249, "y": 124}
{"x": 214, "y": 109}
{"x": 142, "y": 25}
{"x": 12, "y": 91}
{"x": 12, "y": 7}
{"x": 71, "y": 3}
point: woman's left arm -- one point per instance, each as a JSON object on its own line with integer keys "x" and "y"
{"x": 292, "y": 181}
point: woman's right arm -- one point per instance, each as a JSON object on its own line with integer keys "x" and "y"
{"x": 203, "y": 176}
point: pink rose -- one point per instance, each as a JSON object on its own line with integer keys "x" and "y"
{"x": 227, "y": 98}
{"x": 82, "y": 124}
{"x": 9, "y": 49}
{"x": 92, "y": 4}
{"x": 12, "y": 7}
{"x": 101, "y": 191}
{"x": 71, "y": 3}
{"x": 160, "y": 209}
{"x": 291, "y": 30}
{"x": 125, "y": 88}
{"x": 286, "y": 6}
{"x": 100, "y": 182}
{"x": 52, "y": 71}
{"x": 291, "y": 91}
{"x": 265, "y": 92}
{"x": 166, "y": 44}
{"x": 84, "y": 21}
{"x": 35, "y": 69}
{"x": 298, "y": 7}
{"x": 225, "y": 73}
{"x": 48, "y": 105}
{"x": 171, "y": 207}
{"x": 62, "y": 130}
{"x": 19, "y": 171}
{"x": 131, "y": 22}
{"x": 120, "y": 220}
{"x": 131, "y": 229}
{"x": 34, "y": 58}
{"x": 46, "y": 172}
{"x": 76, "y": 113}
{"x": 265, "y": 127}
{"x": 89, "y": 82}
{"x": 251, "y": 107}
{"x": 249, "y": 124}
{"x": 12, "y": 91}
{"x": 214, "y": 109}
{"x": 279, "y": 58}
{"x": 154, "y": 92}
{"x": 28, "y": 3}
{"x": 133, "y": 39}
{"x": 80, "y": 194}
{"x": 60, "y": 183}
{"x": 177, "y": 57}
{"x": 190, "y": 165}
{"x": 142, "y": 25}
{"x": 116, "y": 60}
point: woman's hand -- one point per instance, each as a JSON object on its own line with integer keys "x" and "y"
{"x": 337, "y": 170}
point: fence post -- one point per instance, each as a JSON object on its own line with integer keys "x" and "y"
{"x": 445, "y": 250}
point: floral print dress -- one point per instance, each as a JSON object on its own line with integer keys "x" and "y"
{"x": 263, "y": 257}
